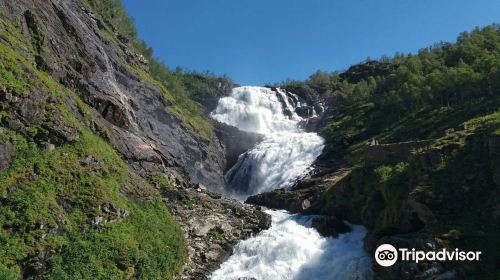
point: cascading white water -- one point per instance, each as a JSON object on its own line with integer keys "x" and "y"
{"x": 290, "y": 248}
{"x": 286, "y": 152}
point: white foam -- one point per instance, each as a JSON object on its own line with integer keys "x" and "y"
{"x": 256, "y": 109}
{"x": 291, "y": 249}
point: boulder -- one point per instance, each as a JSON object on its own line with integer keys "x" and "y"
{"x": 329, "y": 226}
{"x": 281, "y": 199}
{"x": 304, "y": 111}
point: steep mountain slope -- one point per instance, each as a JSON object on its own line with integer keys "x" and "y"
{"x": 79, "y": 50}
{"x": 99, "y": 144}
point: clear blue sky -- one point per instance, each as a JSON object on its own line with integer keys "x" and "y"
{"x": 260, "y": 41}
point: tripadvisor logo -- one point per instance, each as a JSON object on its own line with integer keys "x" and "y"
{"x": 386, "y": 255}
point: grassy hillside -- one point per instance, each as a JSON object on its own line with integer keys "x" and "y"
{"x": 70, "y": 208}
{"x": 62, "y": 212}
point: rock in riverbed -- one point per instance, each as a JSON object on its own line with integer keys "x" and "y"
{"x": 329, "y": 226}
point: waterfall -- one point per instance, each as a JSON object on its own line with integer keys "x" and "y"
{"x": 290, "y": 249}
{"x": 285, "y": 154}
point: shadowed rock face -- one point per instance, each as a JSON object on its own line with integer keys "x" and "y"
{"x": 236, "y": 142}
{"x": 72, "y": 49}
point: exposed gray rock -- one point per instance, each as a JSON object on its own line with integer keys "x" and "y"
{"x": 48, "y": 146}
{"x": 304, "y": 111}
{"x": 236, "y": 142}
{"x": 280, "y": 199}
{"x": 213, "y": 224}
{"x": 7, "y": 150}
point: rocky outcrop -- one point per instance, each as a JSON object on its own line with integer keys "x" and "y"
{"x": 305, "y": 197}
{"x": 24, "y": 111}
{"x": 7, "y": 150}
{"x": 288, "y": 98}
{"x": 312, "y": 124}
{"x": 212, "y": 224}
{"x": 305, "y": 111}
{"x": 378, "y": 154}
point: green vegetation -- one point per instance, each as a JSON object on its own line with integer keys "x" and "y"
{"x": 148, "y": 245}
{"x": 114, "y": 14}
{"x": 160, "y": 181}
{"x": 410, "y": 97}
{"x": 183, "y": 105}
{"x": 52, "y": 201}
{"x": 488, "y": 123}
{"x": 12, "y": 75}
{"x": 389, "y": 183}
{"x": 216, "y": 234}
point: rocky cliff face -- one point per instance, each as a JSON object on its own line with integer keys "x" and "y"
{"x": 72, "y": 45}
